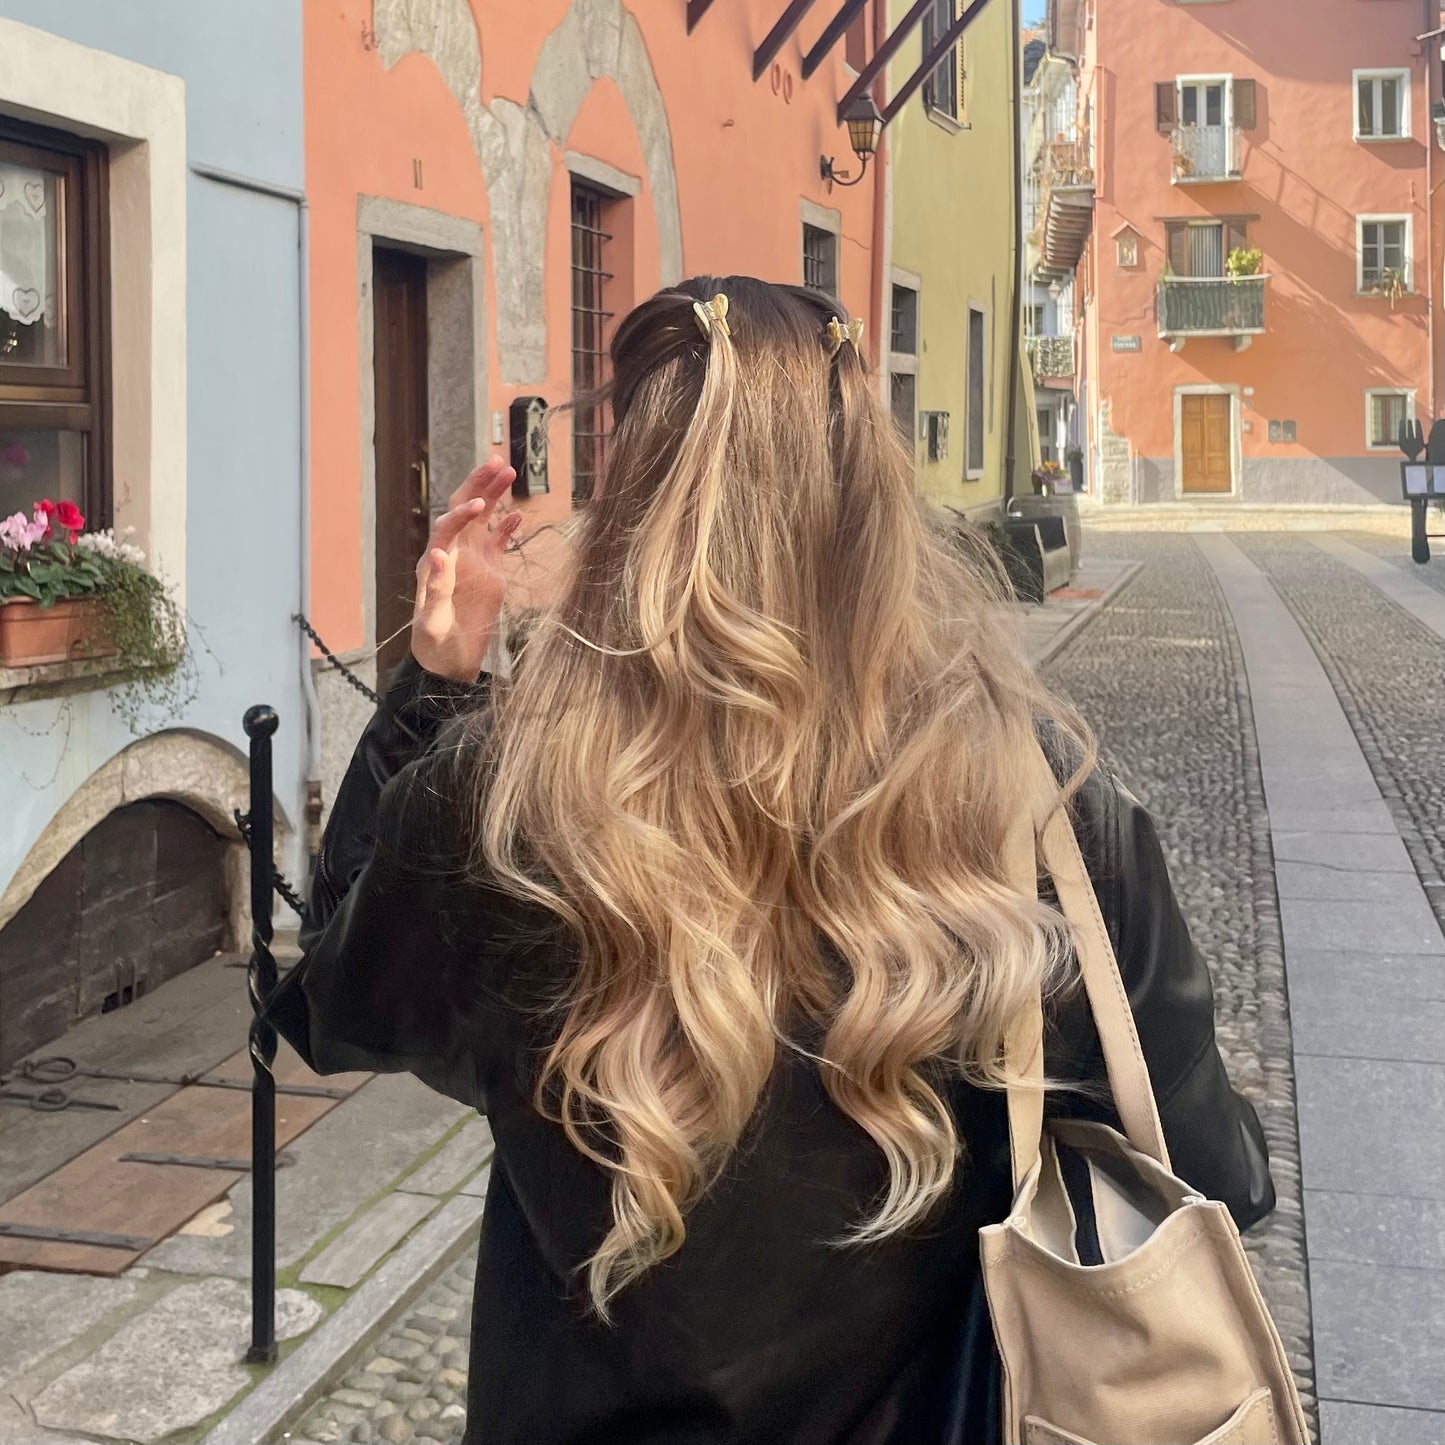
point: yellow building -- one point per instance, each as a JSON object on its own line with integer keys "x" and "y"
{"x": 952, "y": 178}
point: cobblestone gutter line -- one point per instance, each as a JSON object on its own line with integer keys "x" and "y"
{"x": 1160, "y": 676}
{"x": 1388, "y": 671}
{"x": 413, "y": 1386}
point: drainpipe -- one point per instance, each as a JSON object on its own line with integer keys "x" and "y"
{"x": 1428, "y": 56}
{"x": 882, "y": 206}
{"x": 308, "y": 675}
{"x": 1015, "y": 317}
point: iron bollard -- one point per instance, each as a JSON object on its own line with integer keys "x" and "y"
{"x": 260, "y": 723}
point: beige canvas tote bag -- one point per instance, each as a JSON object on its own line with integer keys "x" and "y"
{"x": 1123, "y": 1305}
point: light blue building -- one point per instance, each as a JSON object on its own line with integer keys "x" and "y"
{"x": 152, "y": 165}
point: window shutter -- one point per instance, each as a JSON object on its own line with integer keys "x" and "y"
{"x": 1176, "y": 246}
{"x": 1244, "y": 104}
{"x": 1236, "y": 235}
{"x": 1164, "y": 104}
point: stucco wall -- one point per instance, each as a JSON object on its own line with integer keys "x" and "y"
{"x": 1305, "y": 179}
{"x": 952, "y": 219}
{"x": 241, "y": 70}
{"x": 472, "y": 110}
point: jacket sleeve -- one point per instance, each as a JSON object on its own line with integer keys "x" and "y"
{"x": 383, "y": 984}
{"x": 1213, "y": 1133}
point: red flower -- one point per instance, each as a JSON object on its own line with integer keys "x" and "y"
{"x": 67, "y": 515}
{"x": 47, "y": 510}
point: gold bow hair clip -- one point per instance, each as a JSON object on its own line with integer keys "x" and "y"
{"x": 838, "y": 333}
{"x": 710, "y": 313}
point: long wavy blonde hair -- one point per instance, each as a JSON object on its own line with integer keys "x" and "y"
{"x": 760, "y": 759}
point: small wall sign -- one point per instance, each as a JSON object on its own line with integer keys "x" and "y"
{"x": 1124, "y": 343}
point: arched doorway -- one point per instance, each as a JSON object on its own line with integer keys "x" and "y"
{"x": 140, "y": 898}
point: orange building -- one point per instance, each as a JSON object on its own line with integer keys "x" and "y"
{"x": 1258, "y": 302}
{"x": 491, "y": 185}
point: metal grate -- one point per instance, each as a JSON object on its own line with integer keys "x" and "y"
{"x": 589, "y": 326}
{"x": 820, "y": 260}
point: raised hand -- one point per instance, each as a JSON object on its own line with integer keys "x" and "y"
{"x": 459, "y": 582}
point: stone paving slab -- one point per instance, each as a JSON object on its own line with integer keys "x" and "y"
{"x": 450, "y": 1165}
{"x": 1349, "y": 852}
{"x": 1379, "y": 1334}
{"x": 41, "y": 1312}
{"x": 1372, "y": 1126}
{"x": 355, "y": 1152}
{"x": 1351, "y": 1424}
{"x": 351, "y": 1256}
{"x": 1377, "y": 1229}
{"x": 1406, "y": 1017}
{"x": 200, "y": 1330}
{"x": 1356, "y": 925}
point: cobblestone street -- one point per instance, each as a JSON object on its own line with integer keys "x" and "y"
{"x": 1161, "y": 676}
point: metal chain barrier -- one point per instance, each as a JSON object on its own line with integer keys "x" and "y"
{"x": 285, "y": 890}
{"x": 301, "y": 620}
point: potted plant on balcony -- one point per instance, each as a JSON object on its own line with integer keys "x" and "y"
{"x": 68, "y": 595}
{"x": 1240, "y": 303}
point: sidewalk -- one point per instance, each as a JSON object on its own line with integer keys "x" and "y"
{"x": 374, "y": 1200}
{"x": 1050, "y": 626}
{"x": 1365, "y": 965}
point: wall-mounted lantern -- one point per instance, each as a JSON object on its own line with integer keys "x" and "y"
{"x": 865, "y": 125}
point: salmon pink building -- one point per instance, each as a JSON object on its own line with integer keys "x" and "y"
{"x": 1244, "y": 197}
{"x": 492, "y": 186}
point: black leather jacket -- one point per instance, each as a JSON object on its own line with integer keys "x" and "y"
{"x": 760, "y": 1329}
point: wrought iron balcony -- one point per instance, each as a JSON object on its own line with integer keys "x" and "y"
{"x": 1052, "y": 357}
{"x": 1205, "y": 153}
{"x": 1212, "y": 306}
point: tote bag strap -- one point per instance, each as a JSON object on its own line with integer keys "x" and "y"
{"x": 1059, "y": 853}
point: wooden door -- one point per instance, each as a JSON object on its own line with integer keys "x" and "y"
{"x": 1204, "y": 426}
{"x": 402, "y": 502}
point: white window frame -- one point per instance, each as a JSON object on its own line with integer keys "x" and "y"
{"x": 1409, "y": 246}
{"x": 1371, "y": 392}
{"x": 1402, "y": 77}
{"x": 1231, "y": 150}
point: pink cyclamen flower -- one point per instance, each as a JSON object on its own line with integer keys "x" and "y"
{"x": 14, "y": 530}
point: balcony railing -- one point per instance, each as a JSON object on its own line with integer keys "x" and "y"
{"x": 1205, "y": 153}
{"x": 1052, "y": 357}
{"x": 1212, "y": 306}
{"x": 1068, "y": 203}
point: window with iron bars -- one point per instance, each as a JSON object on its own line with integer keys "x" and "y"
{"x": 589, "y": 324}
{"x": 820, "y": 260}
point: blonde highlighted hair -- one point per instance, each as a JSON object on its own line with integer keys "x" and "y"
{"x": 760, "y": 759}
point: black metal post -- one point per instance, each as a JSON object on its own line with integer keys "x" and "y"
{"x": 1419, "y": 537}
{"x": 260, "y": 723}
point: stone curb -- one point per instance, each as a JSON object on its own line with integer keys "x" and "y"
{"x": 284, "y": 1395}
{"x": 1077, "y": 623}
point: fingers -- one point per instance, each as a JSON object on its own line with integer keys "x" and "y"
{"x": 490, "y": 482}
{"x": 450, "y": 525}
{"x": 436, "y": 581}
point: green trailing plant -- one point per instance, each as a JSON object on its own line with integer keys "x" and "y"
{"x": 1243, "y": 261}
{"x": 154, "y": 669}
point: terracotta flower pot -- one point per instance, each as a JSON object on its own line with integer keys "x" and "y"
{"x": 70, "y": 630}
